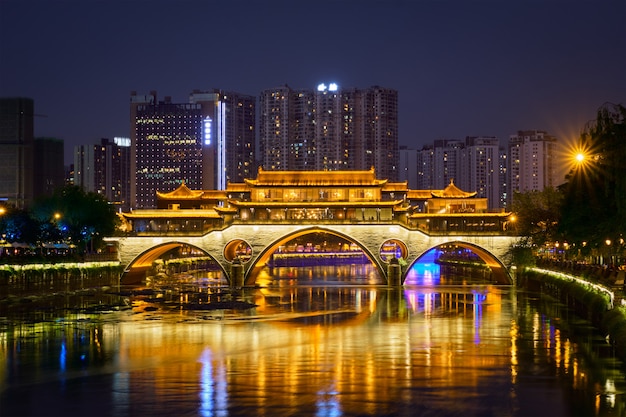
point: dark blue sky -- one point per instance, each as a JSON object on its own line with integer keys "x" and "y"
{"x": 461, "y": 67}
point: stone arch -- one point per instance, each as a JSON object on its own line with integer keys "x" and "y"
{"x": 142, "y": 262}
{"x": 261, "y": 259}
{"x": 499, "y": 271}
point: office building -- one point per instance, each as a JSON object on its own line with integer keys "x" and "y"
{"x": 204, "y": 143}
{"x": 16, "y": 151}
{"x": 48, "y": 168}
{"x": 330, "y": 129}
{"x": 105, "y": 169}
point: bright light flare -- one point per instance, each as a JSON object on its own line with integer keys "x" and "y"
{"x": 580, "y": 157}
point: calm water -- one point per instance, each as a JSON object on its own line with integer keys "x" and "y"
{"x": 321, "y": 349}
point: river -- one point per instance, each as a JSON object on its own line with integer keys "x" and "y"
{"x": 436, "y": 347}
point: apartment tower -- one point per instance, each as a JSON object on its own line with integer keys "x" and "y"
{"x": 330, "y": 129}
{"x": 105, "y": 169}
{"x": 531, "y": 162}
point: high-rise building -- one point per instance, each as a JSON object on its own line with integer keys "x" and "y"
{"x": 531, "y": 161}
{"x": 330, "y": 129}
{"x": 438, "y": 164}
{"x": 479, "y": 168}
{"x": 205, "y": 143}
{"x": 472, "y": 164}
{"x": 16, "y": 151}
{"x": 105, "y": 169}
{"x": 408, "y": 166}
{"x": 504, "y": 177}
{"x": 48, "y": 169}
{"x": 425, "y": 168}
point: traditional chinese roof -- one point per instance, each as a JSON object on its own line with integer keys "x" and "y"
{"x": 162, "y": 214}
{"x": 237, "y": 187}
{"x": 182, "y": 192}
{"x": 315, "y": 179}
{"x": 464, "y": 215}
{"x": 396, "y": 187}
{"x": 419, "y": 194}
{"x": 314, "y": 204}
{"x": 452, "y": 191}
{"x": 185, "y": 193}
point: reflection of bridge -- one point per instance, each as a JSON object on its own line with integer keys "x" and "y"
{"x": 138, "y": 252}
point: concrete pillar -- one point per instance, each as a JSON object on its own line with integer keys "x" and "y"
{"x": 236, "y": 274}
{"x": 394, "y": 273}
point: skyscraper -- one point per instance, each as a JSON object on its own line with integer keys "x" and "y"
{"x": 48, "y": 168}
{"x": 16, "y": 150}
{"x": 204, "y": 143}
{"x": 330, "y": 129}
{"x": 531, "y": 161}
{"x": 105, "y": 169}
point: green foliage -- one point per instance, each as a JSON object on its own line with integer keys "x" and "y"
{"x": 70, "y": 215}
{"x": 538, "y": 214}
{"x": 18, "y": 226}
{"x": 521, "y": 254}
{"x": 595, "y": 191}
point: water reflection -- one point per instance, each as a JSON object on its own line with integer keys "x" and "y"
{"x": 313, "y": 351}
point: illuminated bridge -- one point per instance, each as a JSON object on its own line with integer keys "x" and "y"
{"x": 245, "y": 226}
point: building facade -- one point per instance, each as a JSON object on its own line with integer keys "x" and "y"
{"x": 330, "y": 129}
{"x": 472, "y": 163}
{"x": 408, "y": 166}
{"x": 205, "y": 143}
{"x": 479, "y": 168}
{"x": 105, "y": 169}
{"x": 48, "y": 168}
{"x": 16, "y": 151}
{"x": 531, "y": 162}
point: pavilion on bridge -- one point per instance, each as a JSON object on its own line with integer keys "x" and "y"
{"x": 316, "y": 197}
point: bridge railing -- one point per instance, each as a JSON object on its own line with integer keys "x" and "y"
{"x": 437, "y": 227}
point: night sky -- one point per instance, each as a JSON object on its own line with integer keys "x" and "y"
{"x": 461, "y": 68}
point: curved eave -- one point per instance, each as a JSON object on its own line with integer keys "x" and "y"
{"x": 172, "y": 214}
{"x": 316, "y": 204}
{"x": 470, "y": 215}
{"x": 226, "y": 210}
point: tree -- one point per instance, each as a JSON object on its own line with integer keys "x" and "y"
{"x": 16, "y": 225}
{"x": 538, "y": 215}
{"x": 83, "y": 218}
{"x": 594, "y": 209}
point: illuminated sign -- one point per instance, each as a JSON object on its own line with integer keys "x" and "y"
{"x": 331, "y": 87}
{"x": 121, "y": 141}
{"x": 207, "y": 131}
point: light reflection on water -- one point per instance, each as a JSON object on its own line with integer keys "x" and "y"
{"x": 313, "y": 350}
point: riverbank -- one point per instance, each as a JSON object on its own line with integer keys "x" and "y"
{"x": 48, "y": 278}
{"x": 601, "y": 304}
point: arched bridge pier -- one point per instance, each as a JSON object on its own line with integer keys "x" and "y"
{"x": 137, "y": 253}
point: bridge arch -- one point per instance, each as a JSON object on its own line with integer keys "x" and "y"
{"x": 260, "y": 261}
{"x": 135, "y": 270}
{"x": 499, "y": 271}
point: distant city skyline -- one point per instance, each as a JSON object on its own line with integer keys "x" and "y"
{"x": 461, "y": 69}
